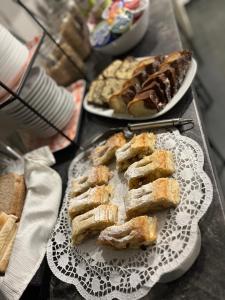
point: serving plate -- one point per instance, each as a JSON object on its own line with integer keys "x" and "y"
{"x": 103, "y": 273}
{"x": 109, "y": 113}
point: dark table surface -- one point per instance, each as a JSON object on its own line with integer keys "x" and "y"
{"x": 205, "y": 279}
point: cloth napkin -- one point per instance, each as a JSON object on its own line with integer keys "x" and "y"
{"x": 44, "y": 189}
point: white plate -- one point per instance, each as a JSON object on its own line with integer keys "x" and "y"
{"x": 109, "y": 113}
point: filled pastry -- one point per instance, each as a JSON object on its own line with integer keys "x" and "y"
{"x": 89, "y": 200}
{"x": 105, "y": 153}
{"x": 8, "y": 229}
{"x": 136, "y": 233}
{"x": 139, "y": 146}
{"x": 93, "y": 222}
{"x": 160, "y": 194}
{"x": 97, "y": 176}
{"x": 159, "y": 164}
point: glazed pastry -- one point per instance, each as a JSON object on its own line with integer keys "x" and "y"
{"x": 93, "y": 221}
{"x": 8, "y": 229}
{"x": 131, "y": 87}
{"x": 136, "y": 233}
{"x": 89, "y": 200}
{"x": 160, "y": 194}
{"x": 105, "y": 153}
{"x": 139, "y": 146}
{"x": 12, "y": 194}
{"x": 127, "y": 68}
{"x": 112, "y": 68}
{"x": 159, "y": 164}
{"x": 149, "y": 65}
{"x": 97, "y": 176}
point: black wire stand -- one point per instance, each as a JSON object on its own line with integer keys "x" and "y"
{"x": 15, "y": 95}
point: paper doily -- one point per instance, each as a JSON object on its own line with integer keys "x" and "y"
{"x": 101, "y": 273}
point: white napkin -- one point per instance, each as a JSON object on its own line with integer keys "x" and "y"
{"x": 44, "y": 189}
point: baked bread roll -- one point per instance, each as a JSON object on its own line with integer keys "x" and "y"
{"x": 136, "y": 233}
{"x": 12, "y": 194}
{"x": 93, "y": 221}
{"x": 97, "y": 176}
{"x": 160, "y": 194}
{"x": 139, "y": 146}
{"x": 150, "y": 168}
{"x": 8, "y": 228}
{"x": 89, "y": 200}
{"x": 103, "y": 154}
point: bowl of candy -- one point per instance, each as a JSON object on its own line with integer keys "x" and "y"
{"x": 122, "y": 25}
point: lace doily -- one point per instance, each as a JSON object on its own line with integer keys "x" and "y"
{"x": 102, "y": 273}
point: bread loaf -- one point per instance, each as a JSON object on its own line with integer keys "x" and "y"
{"x": 12, "y": 194}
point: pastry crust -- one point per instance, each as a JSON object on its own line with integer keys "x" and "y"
{"x": 103, "y": 154}
{"x": 93, "y": 221}
{"x": 89, "y": 200}
{"x": 159, "y": 164}
{"x": 139, "y": 146}
{"x": 160, "y": 194}
{"x": 12, "y": 194}
{"x": 8, "y": 228}
{"x": 97, "y": 176}
{"x": 140, "y": 231}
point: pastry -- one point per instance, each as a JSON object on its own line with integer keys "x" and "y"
{"x": 89, "y": 200}
{"x": 105, "y": 153}
{"x": 93, "y": 221}
{"x": 160, "y": 194}
{"x": 139, "y": 146}
{"x": 95, "y": 93}
{"x": 8, "y": 228}
{"x": 97, "y": 176}
{"x": 112, "y": 68}
{"x": 149, "y": 65}
{"x": 12, "y": 194}
{"x": 136, "y": 233}
{"x": 159, "y": 164}
{"x": 111, "y": 86}
{"x": 127, "y": 68}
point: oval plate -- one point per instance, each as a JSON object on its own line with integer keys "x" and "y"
{"x": 109, "y": 113}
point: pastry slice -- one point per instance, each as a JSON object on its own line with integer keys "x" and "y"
{"x": 127, "y": 68}
{"x": 89, "y": 200}
{"x": 8, "y": 228}
{"x": 160, "y": 194}
{"x": 97, "y": 176}
{"x": 149, "y": 65}
{"x": 112, "y": 86}
{"x": 112, "y": 68}
{"x": 139, "y": 146}
{"x": 159, "y": 164}
{"x": 93, "y": 221}
{"x": 119, "y": 101}
{"x": 136, "y": 233}
{"x": 95, "y": 93}
{"x": 103, "y": 154}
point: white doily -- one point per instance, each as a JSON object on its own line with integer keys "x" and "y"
{"x": 101, "y": 273}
